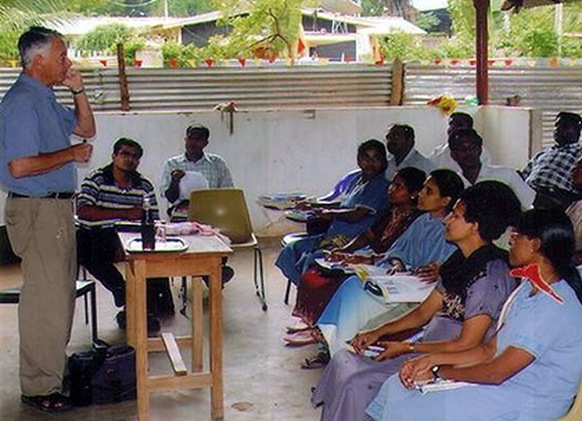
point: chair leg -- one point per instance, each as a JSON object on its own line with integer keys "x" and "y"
{"x": 93, "y": 312}
{"x": 287, "y": 292}
{"x": 184, "y": 296}
{"x": 85, "y": 299}
{"x": 258, "y": 265}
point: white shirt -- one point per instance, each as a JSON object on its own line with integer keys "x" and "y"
{"x": 508, "y": 176}
{"x": 441, "y": 158}
{"x": 413, "y": 159}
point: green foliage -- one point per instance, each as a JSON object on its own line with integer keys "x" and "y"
{"x": 8, "y": 45}
{"x": 403, "y": 46}
{"x": 273, "y": 24}
{"x": 572, "y": 47}
{"x": 17, "y": 15}
{"x": 182, "y": 7}
{"x": 372, "y": 7}
{"x": 463, "y": 19}
{"x": 427, "y": 21}
{"x": 130, "y": 47}
{"x": 182, "y": 54}
{"x": 93, "y": 7}
{"x": 539, "y": 43}
{"x": 105, "y": 37}
{"x": 528, "y": 33}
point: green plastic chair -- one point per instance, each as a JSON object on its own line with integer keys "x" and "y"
{"x": 226, "y": 209}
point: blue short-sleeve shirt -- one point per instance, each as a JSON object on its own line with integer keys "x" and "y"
{"x": 552, "y": 333}
{"x": 32, "y": 122}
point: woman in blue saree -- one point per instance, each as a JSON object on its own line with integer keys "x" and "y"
{"x": 364, "y": 201}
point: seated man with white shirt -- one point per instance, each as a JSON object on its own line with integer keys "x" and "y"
{"x": 441, "y": 155}
{"x": 194, "y": 170}
{"x": 401, "y": 151}
{"x": 466, "y": 146}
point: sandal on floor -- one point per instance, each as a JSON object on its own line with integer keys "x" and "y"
{"x": 299, "y": 338}
{"x": 318, "y": 361}
{"x": 299, "y": 326}
{"x": 56, "y": 402}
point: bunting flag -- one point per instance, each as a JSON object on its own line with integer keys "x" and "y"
{"x": 532, "y": 273}
{"x": 242, "y": 61}
{"x": 300, "y": 46}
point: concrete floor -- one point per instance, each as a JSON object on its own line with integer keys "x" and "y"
{"x": 262, "y": 377}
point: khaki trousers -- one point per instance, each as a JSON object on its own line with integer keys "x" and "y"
{"x": 42, "y": 233}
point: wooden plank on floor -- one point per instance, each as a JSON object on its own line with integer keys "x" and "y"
{"x": 174, "y": 354}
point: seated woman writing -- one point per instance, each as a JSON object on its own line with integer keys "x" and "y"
{"x": 531, "y": 368}
{"x": 317, "y": 286}
{"x": 364, "y": 200}
{"x": 422, "y": 248}
{"x": 459, "y": 313}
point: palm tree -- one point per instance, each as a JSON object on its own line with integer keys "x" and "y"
{"x": 15, "y": 15}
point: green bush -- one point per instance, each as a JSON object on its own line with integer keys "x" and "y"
{"x": 105, "y": 38}
{"x": 183, "y": 54}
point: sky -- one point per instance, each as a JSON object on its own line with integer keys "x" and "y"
{"x": 429, "y": 4}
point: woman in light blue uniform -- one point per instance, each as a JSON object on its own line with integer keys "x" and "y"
{"x": 366, "y": 198}
{"x": 422, "y": 243}
{"x": 531, "y": 369}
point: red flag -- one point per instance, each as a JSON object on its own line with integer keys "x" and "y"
{"x": 300, "y": 46}
{"x": 532, "y": 272}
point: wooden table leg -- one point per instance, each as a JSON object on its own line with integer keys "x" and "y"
{"x": 130, "y": 304}
{"x": 140, "y": 313}
{"x": 197, "y": 331}
{"x": 216, "y": 394}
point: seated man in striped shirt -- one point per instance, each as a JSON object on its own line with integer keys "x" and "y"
{"x": 110, "y": 194}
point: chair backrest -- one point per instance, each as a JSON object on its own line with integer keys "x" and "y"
{"x": 225, "y": 209}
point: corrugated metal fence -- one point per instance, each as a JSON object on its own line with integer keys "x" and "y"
{"x": 550, "y": 89}
{"x": 336, "y": 85}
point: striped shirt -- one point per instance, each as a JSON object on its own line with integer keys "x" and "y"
{"x": 99, "y": 189}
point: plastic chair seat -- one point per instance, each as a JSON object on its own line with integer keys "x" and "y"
{"x": 226, "y": 209}
{"x": 84, "y": 288}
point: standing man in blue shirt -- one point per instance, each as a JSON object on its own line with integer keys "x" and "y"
{"x": 37, "y": 169}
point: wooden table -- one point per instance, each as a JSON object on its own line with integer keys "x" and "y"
{"x": 202, "y": 258}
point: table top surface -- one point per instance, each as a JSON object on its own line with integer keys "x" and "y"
{"x": 197, "y": 244}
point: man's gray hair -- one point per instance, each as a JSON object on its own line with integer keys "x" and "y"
{"x": 35, "y": 41}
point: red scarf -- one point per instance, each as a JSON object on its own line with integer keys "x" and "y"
{"x": 532, "y": 273}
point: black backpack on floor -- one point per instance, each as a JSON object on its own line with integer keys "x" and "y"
{"x": 104, "y": 375}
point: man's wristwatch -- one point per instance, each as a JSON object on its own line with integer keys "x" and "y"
{"x": 77, "y": 91}
{"x": 435, "y": 373}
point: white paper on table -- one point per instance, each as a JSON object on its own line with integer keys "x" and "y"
{"x": 403, "y": 288}
{"x": 192, "y": 180}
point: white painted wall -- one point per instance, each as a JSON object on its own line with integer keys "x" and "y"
{"x": 297, "y": 151}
